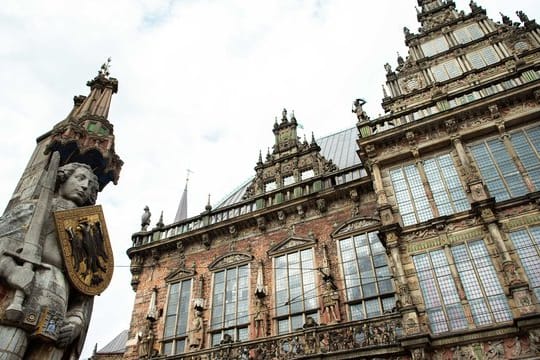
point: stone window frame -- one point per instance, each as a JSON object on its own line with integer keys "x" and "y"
{"x": 442, "y": 182}
{"x": 482, "y": 57}
{"x": 466, "y": 30}
{"x": 350, "y": 231}
{"x": 490, "y": 153}
{"x": 442, "y": 273}
{"x": 307, "y": 300}
{"x": 526, "y": 242}
{"x": 435, "y": 46}
{"x": 172, "y": 343}
{"x": 239, "y": 331}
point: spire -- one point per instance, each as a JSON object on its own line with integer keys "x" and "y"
{"x": 86, "y": 135}
{"x": 181, "y": 213}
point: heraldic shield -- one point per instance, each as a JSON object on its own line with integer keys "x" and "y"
{"x": 86, "y": 248}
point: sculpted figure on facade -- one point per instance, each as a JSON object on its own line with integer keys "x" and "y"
{"x": 49, "y": 305}
{"x": 330, "y": 299}
{"x": 196, "y": 332}
{"x": 146, "y": 341}
{"x": 260, "y": 317}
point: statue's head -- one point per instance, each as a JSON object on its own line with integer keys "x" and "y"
{"x": 76, "y": 182}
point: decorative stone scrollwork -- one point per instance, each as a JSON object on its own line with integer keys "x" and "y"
{"x": 312, "y": 340}
{"x": 261, "y": 223}
{"x": 206, "y": 242}
{"x": 321, "y": 205}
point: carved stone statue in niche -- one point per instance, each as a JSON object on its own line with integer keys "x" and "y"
{"x": 196, "y": 332}
{"x": 330, "y": 299}
{"x": 260, "y": 318}
{"x": 145, "y": 346}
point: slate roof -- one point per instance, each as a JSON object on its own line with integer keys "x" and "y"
{"x": 117, "y": 345}
{"x": 339, "y": 147}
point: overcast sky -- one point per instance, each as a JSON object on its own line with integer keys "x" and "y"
{"x": 200, "y": 83}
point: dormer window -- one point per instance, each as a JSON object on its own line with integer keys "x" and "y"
{"x": 482, "y": 57}
{"x": 434, "y": 46}
{"x": 270, "y": 186}
{"x": 288, "y": 180}
{"x": 446, "y": 70}
{"x": 306, "y": 174}
{"x": 468, "y": 33}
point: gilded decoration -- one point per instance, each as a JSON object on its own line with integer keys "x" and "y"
{"x": 86, "y": 248}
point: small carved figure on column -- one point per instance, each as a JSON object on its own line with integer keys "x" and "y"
{"x": 330, "y": 303}
{"x": 196, "y": 331}
{"x": 260, "y": 317}
{"x": 146, "y": 341}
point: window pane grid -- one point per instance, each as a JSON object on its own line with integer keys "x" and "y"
{"x": 229, "y": 301}
{"x": 443, "y": 307}
{"x": 498, "y": 170}
{"x": 176, "y": 316}
{"x": 367, "y": 276}
{"x": 527, "y": 145}
{"x": 527, "y": 246}
{"x": 481, "y": 284}
{"x": 296, "y": 297}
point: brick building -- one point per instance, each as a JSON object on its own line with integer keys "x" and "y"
{"x": 412, "y": 235}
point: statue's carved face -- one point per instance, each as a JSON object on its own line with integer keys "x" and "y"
{"x": 81, "y": 187}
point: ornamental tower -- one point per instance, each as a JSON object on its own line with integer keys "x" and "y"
{"x": 86, "y": 136}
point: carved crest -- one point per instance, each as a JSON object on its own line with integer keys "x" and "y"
{"x": 230, "y": 259}
{"x": 86, "y": 248}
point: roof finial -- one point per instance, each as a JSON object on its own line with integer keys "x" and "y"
{"x": 208, "y": 206}
{"x": 160, "y": 223}
{"x": 505, "y": 19}
{"x": 400, "y": 60}
{"x": 522, "y": 16}
{"x": 259, "y": 162}
{"x": 313, "y": 142}
{"x": 385, "y": 94}
{"x": 284, "y": 115}
{"x": 293, "y": 119}
{"x": 275, "y": 122}
{"x": 104, "y": 70}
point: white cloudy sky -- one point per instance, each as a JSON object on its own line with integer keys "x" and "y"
{"x": 200, "y": 85}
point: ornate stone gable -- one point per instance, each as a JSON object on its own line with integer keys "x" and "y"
{"x": 292, "y": 242}
{"x": 291, "y": 160}
{"x": 230, "y": 259}
{"x": 180, "y": 274}
{"x": 355, "y": 225}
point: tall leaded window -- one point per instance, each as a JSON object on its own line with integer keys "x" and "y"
{"x": 499, "y": 171}
{"x": 477, "y": 274}
{"x": 410, "y": 195}
{"x": 482, "y": 287}
{"x": 468, "y": 33}
{"x": 296, "y": 295}
{"x": 435, "y": 46}
{"x": 441, "y": 299}
{"x": 176, "y": 318}
{"x": 367, "y": 276}
{"x": 444, "y": 184}
{"x": 527, "y": 146}
{"x": 527, "y": 244}
{"x": 446, "y": 70}
{"x": 230, "y": 304}
{"x": 482, "y": 57}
